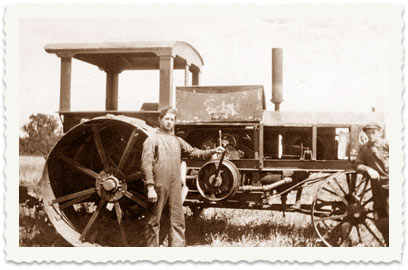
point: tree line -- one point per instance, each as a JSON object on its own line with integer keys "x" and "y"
{"x": 39, "y": 135}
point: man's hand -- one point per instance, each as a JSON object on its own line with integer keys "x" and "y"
{"x": 151, "y": 194}
{"x": 219, "y": 150}
{"x": 373, "y": 174}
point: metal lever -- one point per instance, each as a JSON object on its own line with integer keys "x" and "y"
{"x": 217, "y": 173}
{"x": 220, "y": 137}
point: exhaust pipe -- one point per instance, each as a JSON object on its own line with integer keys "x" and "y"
{"x": 269, "y": 187}
{"x": 277, "y": 77}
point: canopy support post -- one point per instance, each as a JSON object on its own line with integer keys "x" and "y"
{"x": 65, "y": 84}
{"x": 166, "y": 97}
{"x": 112, "y": 85}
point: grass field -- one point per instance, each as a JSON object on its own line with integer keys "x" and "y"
{"x": 35, "y": 229}
{"x": 250, "y": 228}
{"x": 214, "y": 227}
{"x": 30, "y": 171}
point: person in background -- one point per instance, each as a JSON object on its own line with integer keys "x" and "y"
{"x": 161, "y": 159}
{"x": 372, "y": 161}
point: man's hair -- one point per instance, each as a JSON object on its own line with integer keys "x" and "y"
{"x": 167, "y": 110}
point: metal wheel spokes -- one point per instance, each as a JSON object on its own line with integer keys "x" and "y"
{"x": 99, "y": 147}
{"x": 342, "y": 212}
{"x": 88, "y": 197}
{"x": 332, "y": 217}
{"x": 77, "y": 166}
{"x": 372, "y": 229}
{"x": 134, "y": 176}
{"x": 359, "y": 235}
{"x": 92, "y": 220}
{"x": 76, "y": 197}
{"x": 338, "y": 184}
{"x": 351, "y": 182}
{"x": 137, "y": 198}
{"x": 75, "y": 201}
{"x": 119, "y": 215}
{"x": 131, "y": 142}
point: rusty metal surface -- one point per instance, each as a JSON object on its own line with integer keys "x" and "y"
{"x": 219, "y": 103}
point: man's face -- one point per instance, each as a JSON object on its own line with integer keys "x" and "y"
{"x": 373, "y": 135}
{"x": 167, "y": 122}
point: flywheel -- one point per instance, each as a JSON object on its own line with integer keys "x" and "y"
{"x": 216, "y": 184}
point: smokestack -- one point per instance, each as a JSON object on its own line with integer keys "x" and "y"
{"x": 277, "y": 77}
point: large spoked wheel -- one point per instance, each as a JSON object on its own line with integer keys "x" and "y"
{"x": 342, "y": 212}
{"x": 91, "y": 185}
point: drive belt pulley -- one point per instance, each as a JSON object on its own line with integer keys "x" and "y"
{"x": 217, "y": 180}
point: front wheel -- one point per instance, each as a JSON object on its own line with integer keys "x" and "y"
{"x": 342, "y": 212}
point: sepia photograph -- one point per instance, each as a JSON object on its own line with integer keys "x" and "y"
{"x": 204, "y": 127}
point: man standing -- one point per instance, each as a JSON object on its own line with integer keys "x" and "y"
{"x": 372, "y": 161}
{"x": 160, "y": 166}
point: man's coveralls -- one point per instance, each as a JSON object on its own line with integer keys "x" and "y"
{"x": 375, "y": 156}
{"x": 160, "y": 166}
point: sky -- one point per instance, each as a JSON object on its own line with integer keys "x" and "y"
{"x": 330, "y": 63}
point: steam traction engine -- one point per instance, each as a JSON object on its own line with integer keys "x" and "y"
{"x": 274, "y": 160}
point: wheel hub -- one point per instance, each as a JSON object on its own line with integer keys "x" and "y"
{"x": 215, "y": 181}
{"x": 356, "y": 211}
{"x": 110, "y": 185}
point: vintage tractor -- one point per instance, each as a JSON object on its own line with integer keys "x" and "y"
{"x": 91, "y": 184}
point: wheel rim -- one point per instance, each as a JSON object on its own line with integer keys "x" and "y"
{"x": 342, "y": 212}
{"x": 91, "y": 184}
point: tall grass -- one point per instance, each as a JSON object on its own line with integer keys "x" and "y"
{"x": 249, "y": 228}
{"x": 30, "y": 171}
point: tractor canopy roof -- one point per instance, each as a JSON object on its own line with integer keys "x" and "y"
{"x": 130, "y": 55}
